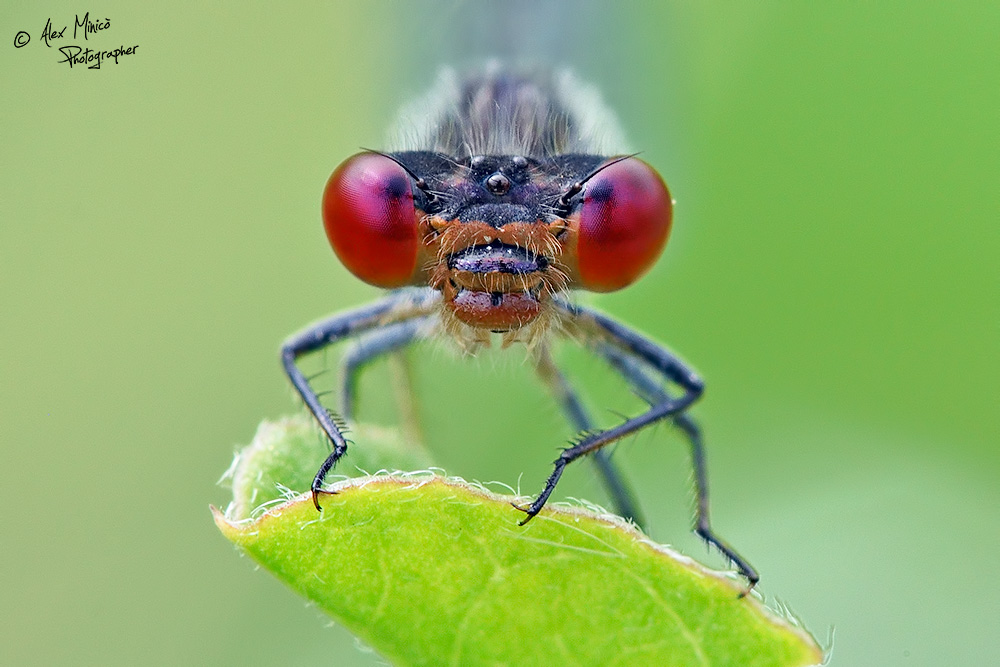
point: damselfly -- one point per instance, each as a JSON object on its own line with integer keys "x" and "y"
{"x": 505, "y": 196}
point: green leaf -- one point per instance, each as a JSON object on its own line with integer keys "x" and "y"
{"x": 285, "y": 454}
{"x": 432, "y": 571}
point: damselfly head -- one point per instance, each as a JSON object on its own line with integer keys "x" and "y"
{"x": 499, "y": 233}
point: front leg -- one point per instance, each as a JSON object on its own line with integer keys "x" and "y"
{"x": 621, "y": 495}
{"x": 405, "y": 305}
{"x": 597, "y": 328}
{"x": 636, "y": 357}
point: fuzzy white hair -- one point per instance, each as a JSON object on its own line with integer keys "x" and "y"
{"x": 499, "y": 111}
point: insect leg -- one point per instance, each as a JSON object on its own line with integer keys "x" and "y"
{"x": 400, "y": 306}
{"x": 597, "y": 327}
{"x": 369, "y": 347}
{"x": 387, "y": 341}
{"x": 569, "y": 401}
{"x": 653, "y": 392}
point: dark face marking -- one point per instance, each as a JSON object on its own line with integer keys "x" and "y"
{"x": 464, "y": 185}
{"x": 497, "y": 258}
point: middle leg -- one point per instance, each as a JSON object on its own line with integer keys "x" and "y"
{"x": 652, "y": 392}
{"x": 614, "y": 483}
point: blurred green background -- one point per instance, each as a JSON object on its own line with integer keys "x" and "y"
{"x": 833, "y": 274}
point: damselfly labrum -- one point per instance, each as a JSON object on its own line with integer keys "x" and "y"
{"x": 505, "y": 193}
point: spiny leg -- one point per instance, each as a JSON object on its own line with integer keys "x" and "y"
{"x": 621, "y": 495}
{"x": 399, "y": 306}
{"x": 594, "y": 441}
{"x": 595, "y": 327}
{"x": 637, "y": 353}
{"x": 651, "y": 390}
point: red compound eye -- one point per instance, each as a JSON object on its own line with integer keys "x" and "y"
{"x": 623, "y": 225}
{"x": 370, "y": 219}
